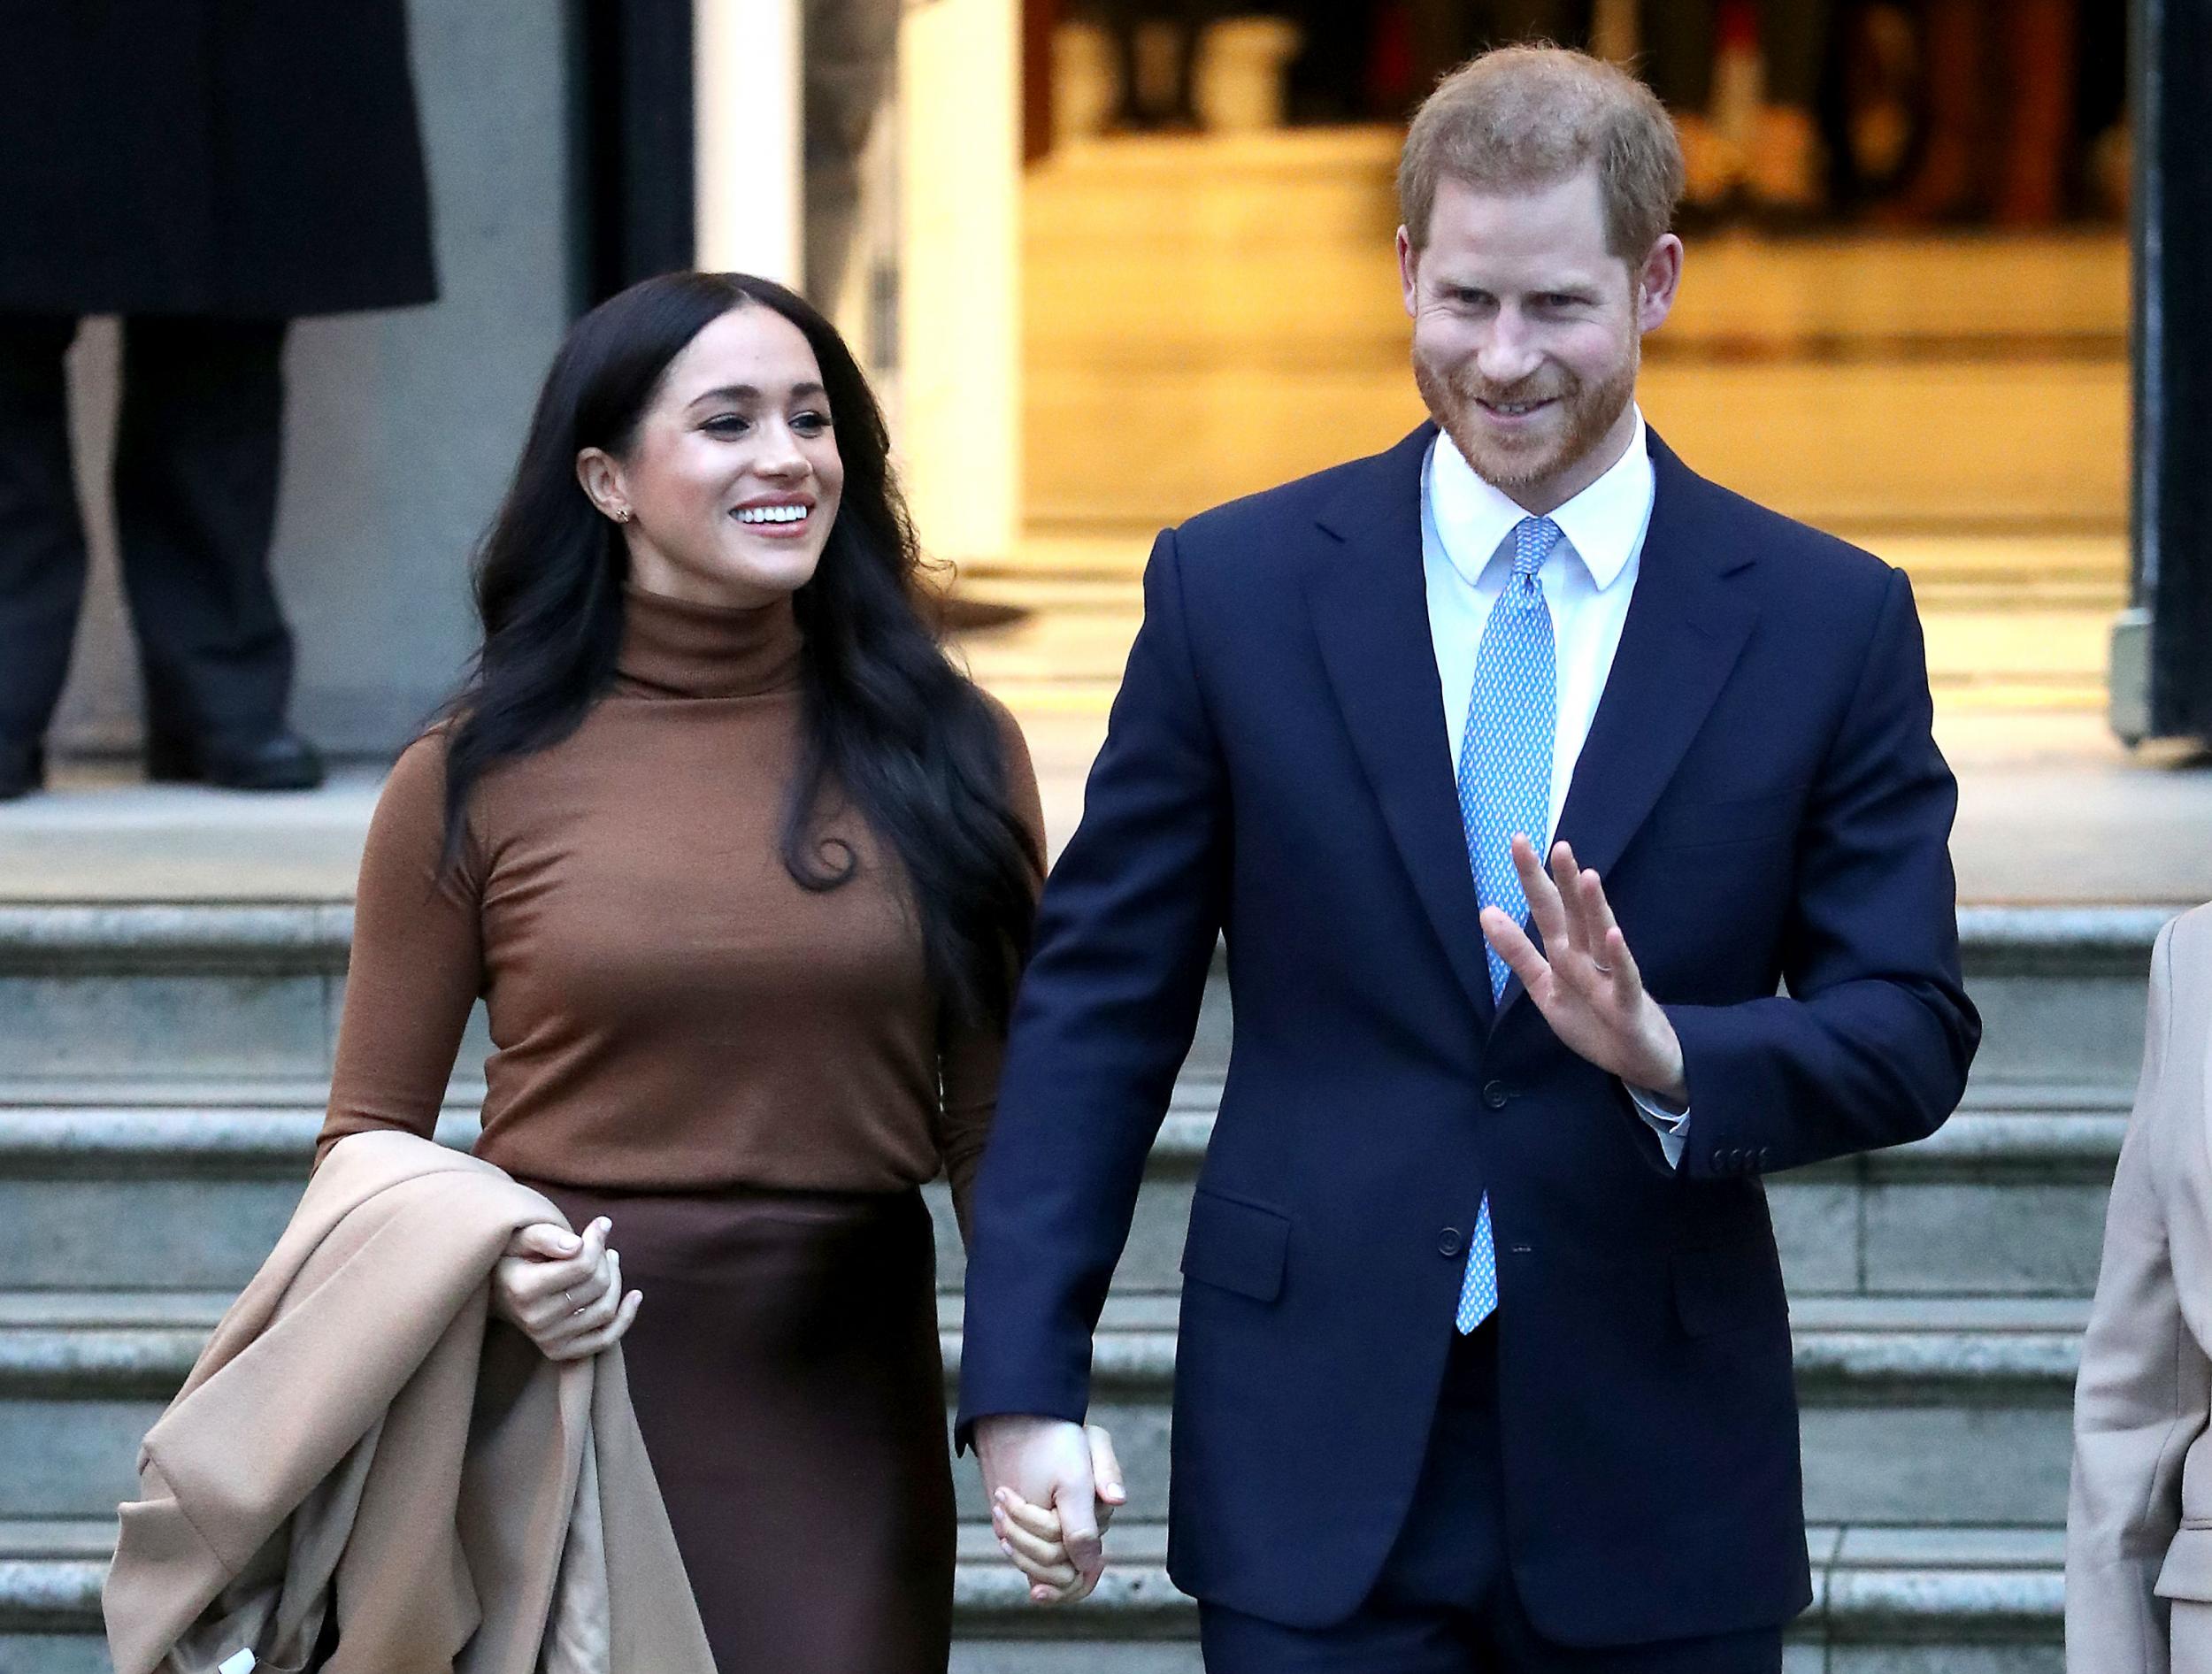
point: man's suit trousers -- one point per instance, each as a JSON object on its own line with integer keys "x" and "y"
{"x": 198, "y": 441}
{"x": 1446, "y": 1602}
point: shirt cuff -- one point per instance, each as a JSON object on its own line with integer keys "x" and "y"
{"x": 1672, "y": 1125}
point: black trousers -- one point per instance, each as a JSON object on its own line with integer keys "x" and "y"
{"x": 1446, "y": 1602}
{"x": 196, "y": 453}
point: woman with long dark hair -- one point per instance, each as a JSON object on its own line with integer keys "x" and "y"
{"x": 744, "y": 869}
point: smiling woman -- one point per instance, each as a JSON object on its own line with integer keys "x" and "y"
{"x": 730, "y": 485}
{"x": 743, "y": 869}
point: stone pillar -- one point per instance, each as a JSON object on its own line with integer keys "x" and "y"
{"x": 747, "y": 94}
{"x": 960, "y": 132}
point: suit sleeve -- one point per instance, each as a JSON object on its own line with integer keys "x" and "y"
{"x": 418, "y": 963}
{"x": 1126, "y": 932}
{"x": 2143, "y": 1392}
{"x": 1871, "y": 1046}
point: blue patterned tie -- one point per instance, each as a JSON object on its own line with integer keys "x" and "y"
{"x": 1505, "y": 787}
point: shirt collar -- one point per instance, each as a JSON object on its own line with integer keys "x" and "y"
{"x": 1604, "y": 524}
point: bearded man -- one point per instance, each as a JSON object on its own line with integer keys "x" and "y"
{"x": 1582, "y": 850}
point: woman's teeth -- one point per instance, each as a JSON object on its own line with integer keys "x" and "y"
{"x": 772, "y": 514}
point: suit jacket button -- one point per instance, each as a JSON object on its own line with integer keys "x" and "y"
{"x": 1496, "y": 1095}
{"x": 1763, "y": 1154}
{"x": 1448, "y": 1241}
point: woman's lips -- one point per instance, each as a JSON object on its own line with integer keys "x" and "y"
{"x": 788, "y": 529}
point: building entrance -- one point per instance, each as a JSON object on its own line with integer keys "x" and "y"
{"x": 1208, "y": 312}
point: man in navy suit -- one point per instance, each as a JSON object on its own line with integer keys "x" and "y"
{"x": 1581, "y": 848}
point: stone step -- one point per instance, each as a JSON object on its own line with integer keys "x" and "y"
{"x": 2008, "y": 1198}
{"x": 1951, "y": 1410}
{"x": 158, "y": 992}
{"x": 1896, "y": 1599}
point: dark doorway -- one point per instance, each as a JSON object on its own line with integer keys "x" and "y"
{"x": 2166, "y": 646}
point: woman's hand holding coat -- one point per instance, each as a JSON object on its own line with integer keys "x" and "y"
{"x": 563, "y": 1292}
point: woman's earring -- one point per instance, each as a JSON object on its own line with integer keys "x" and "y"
{"x": 623, "y": 516}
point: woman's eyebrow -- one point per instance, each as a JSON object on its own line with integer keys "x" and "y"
{"x": 746, "y": 391}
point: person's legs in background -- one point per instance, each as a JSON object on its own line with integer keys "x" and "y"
{"x": 2101, "y": 108}
{"x": 1784, "y": 170}
{"x": 198, "y": 447}
{"x": 1946, "y": 180}
{"x": 1680, "y": 41}
{"x": 41, "y": 541}
{"x": 2038, "y": 50}
{"x": 1155, "y": 46}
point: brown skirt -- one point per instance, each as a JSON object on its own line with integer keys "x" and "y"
{"x": 785, "y": 1369}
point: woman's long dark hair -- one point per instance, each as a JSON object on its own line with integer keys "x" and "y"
{"x": 888, "y": 720}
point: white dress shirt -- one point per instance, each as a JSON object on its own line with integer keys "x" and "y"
{"x": 1588, "y": 579}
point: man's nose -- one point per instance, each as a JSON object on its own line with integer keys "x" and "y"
{"x": 1507, "y": 353}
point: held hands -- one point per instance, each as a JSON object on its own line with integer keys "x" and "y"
{"x": 1585, "y": 981}
{"x": 1054, "y": 1487}
{"x": 563, "y": 1292}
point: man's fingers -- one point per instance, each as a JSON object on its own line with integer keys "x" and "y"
{"x": 1626, "y": 974}
{"x": 1545, "y": 907}
{"x": 1073, "y": 1499}
{"x": 1607, "y": 946}
{"x": 1566, "y": 877}
{"x": 1105, "y": 1473}
{"x": 1590, "y": 916}
{"x": 1513, "y": 947}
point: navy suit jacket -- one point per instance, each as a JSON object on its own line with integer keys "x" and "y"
{"x": 1763, "y": 794}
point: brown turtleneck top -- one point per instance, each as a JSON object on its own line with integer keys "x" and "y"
{"x": 670, "y": 1010}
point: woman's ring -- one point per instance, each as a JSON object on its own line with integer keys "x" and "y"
{"x": 1603, "y": 970}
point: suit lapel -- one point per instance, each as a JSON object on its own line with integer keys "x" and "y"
{"x": 1370, "y": 608}
{"x": 1686, "y": 628}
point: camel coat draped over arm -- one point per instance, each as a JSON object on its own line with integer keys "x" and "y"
{"x": 359, "y": 1431}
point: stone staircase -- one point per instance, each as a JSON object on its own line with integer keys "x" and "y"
{"x": 161, "y": 1078}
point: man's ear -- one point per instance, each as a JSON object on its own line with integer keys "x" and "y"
{"x": 1658, "y": 282}
{"x": 1409, "y": 270}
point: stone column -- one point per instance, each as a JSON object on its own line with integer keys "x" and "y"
{"x": 747, "y": 95}
{"x": 960, "y": 134}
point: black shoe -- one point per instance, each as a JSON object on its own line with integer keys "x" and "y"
{"x": 22, "y": 770}
{"x": 282, "y": 761}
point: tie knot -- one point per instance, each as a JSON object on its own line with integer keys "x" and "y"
{"x": 1533, "y": 538}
